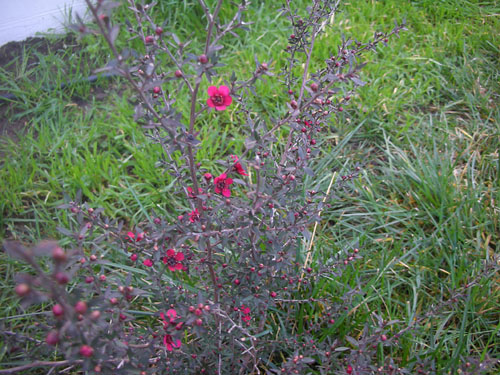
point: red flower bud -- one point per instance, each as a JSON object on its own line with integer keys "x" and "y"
{"x": 59, "y": 255}
{"x": 57, "y": 310}
{"x": 52, "y": 338}
{"x": 149, "y": 39}
{"x": 22, "y": 289}
{"x": 159, "y": 30}
{"x": 178, "y": 73}
{"x": 86, "y": 351}
{"x": 81, "y": 307}
{"x": 156, "y": 89}
{"x": 61, "y": 278}
{"x": 203, "y": 59}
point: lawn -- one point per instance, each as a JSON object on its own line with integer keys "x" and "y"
{"x": 425, "y": 132}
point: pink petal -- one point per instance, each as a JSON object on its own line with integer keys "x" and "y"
{"x": 212, "y": 91}
{"x": 223, "y": 176}
{"x": 210, "y": 103}
{"x": 217, "y": 190}
{"x": 229, "y": 181}
{"x": 179, "y": 257}
{"x": 220, "y": 107}
{"x": 228, "y": 100}
{"x": 177, "y": 343}
{"x": 223, "y": 90}
{"x": 171, "y": 268}
{"x": 178, "y": 266}
{"x": 226, "y": 192}
{"x": 172, "y": 314}
{"x": 170, "y": 252}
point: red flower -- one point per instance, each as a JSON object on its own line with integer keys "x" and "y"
{"x": 131, "y": 236}
{"x": 171, "y": 315}
{"x": 173, "y": 260}
{"x": 194, "y": 215}
{"x": 133, "y": 257}
{"x": 222, "y": 185}
{"x": 190, "y": 191}
{"x": 246, "y": 311}
{"x": 171, "y": 343}
{"x": 167, "y": 319}
{"x": 148, "y": 262}
{"x": 219, "y": 97}
{"x": 237, "y": 166}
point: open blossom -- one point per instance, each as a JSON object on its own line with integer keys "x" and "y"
{"x": 190, "y": 191}
{"x": 194, "y": 215}
{"x": 169, "y": 318}
{"x": 237, "y": 166}
{"x": 131, "y": 236}
{"x": 222, "y": 185}
{"x": 173, "y": 260}
{"x": 246, "y": 313}
{"x": 171, "y": 343}
{"x": 219, "y": 97}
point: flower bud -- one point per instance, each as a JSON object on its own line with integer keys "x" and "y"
{"x": 86, "y": 351}
{"x": 81, "y": 307}
{"x": 203, "y": 59}
{"x": 22, "y": 289}
{"x": 149, "y": 39}
{"x": 159, "y": 31}
{"x": 59, "y": 255}
{"x": 52, "y": 338}
{"x": 57, "y": 310}
{"x": 62, "y": 278}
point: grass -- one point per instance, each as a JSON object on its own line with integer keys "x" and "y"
{"x": 425, "y": 209}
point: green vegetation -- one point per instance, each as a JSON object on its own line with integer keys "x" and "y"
{"x": 425, "y": 209}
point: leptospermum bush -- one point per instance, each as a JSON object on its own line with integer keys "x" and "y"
{"x": 228, "y": 287}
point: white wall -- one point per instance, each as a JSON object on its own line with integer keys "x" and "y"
{"x": 20, "y": 19}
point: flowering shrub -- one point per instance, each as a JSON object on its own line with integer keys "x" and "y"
{"x": 229, "y": 286}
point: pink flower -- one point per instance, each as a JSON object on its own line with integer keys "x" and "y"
{"x": 167, "y": 319}
{"x": 131, "y": 236}
{"x": 133, "y": 257}
{"x": 170, "y": 343}
{"x": 194, "y": 215}
{"x": 173, "y": 260}
{"x": 171, "y": 315}
{"x": 148, "y": 262}
{"x": 219, "y": 97}
{"x": 222, "y": 185}
{"x": 190, "y": 191}
{"x": 237, "y": 166}
{"x": 245, "y": 310}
